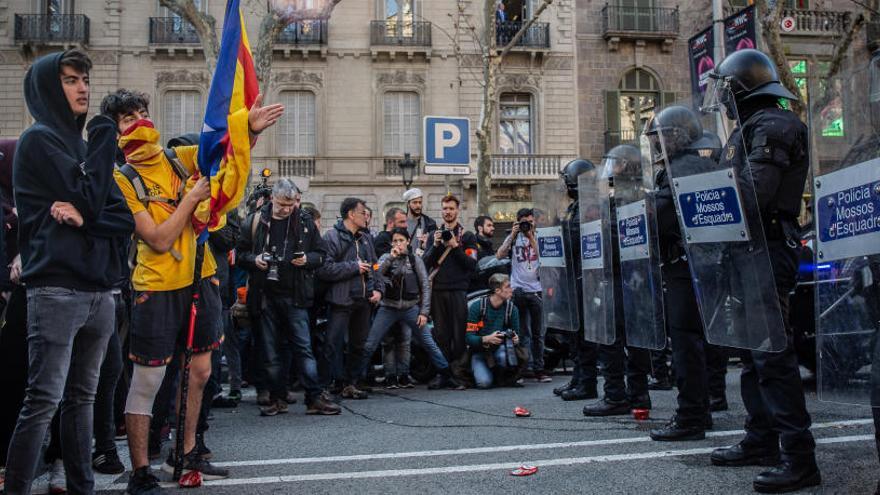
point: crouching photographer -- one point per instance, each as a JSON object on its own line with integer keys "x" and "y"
{"x": 493, "y": 322}
{"x": 281, "y": 248}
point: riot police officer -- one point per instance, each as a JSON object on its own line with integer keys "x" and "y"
{"x": 619, "y": 360}
{"x": 681, "y": 134}
{"x": 585, "y": 375}
{"x": 768, "y": 151}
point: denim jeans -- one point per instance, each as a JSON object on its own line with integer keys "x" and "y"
{"x": 286, "y": 327}
{"x": 531, "y": 327}
{"x": 482, "y": 372}
{"x": 68, "y": 332}
{"x": 385, "y": 318}
{"x": 396, "y": 350}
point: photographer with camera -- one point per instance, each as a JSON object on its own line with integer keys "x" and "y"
{"x": 452, "y": 259}
{"x": 496, "y": 353}
{"x": 522, "y": 249}
{"x": 282, "y": 248}
{"x": 407, "y": 302}
{"x": 353, "y": 289}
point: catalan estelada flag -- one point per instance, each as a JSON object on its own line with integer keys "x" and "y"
{"x": 224, "y": 145}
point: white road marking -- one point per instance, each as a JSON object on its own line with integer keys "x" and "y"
{"x": 501, "y": 448}
{"x": 570, "y": 461}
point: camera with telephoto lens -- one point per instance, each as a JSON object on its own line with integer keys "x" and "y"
{"x": 525, "y": 227}
{"x": 273, "y": 260}
{"x": 445, "y": 234}
{"x": 509, "y": 348}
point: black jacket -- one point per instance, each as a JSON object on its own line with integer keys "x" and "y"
{"x": 484, "y": 247}
{"x": 382, "y": 243}
{"x": 341, "y": 271}
{"x": 52, "y": 163}
{"x": 308, "y": 240}
{"x": 459, "y": 266}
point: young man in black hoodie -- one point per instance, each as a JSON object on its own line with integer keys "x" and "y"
{"x": 451, "y": 260}
{"x": 72, "y": 218}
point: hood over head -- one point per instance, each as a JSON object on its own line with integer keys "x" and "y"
{"x": 45, "y": 96}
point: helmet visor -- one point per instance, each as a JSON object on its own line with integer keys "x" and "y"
{"x": 611, "y": 166}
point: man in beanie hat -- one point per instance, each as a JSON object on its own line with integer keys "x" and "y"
{"x": 419, "y": 225}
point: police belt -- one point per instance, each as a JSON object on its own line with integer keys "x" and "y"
{"x": 782, "y": 227}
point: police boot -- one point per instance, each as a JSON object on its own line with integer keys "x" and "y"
{"x": 608, "y": 407}
{"x": 717, "y": 404}
{"x": 788, "y": 476}
{"x": 581, "y": 392}
{"x": 746, "y": 455}
{"x": 568, "y": 386}
{"x": 678, "y": 431}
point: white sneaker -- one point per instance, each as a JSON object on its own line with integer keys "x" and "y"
{"x": 57, "y": 478}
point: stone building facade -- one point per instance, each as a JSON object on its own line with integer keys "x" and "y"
{"x": 356, "y": 88}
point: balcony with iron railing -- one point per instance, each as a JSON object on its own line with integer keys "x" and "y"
{"x": 537, "y": 36}
{"x": 304, "y": 33}
{"x": 639, "y": 22}
{"x": 392, "y": 36}
{"x": 52, "y": 29}
{"x": 517, "y": 167}
{"x": 172, "y": 31}
{"x": 614, "y": 138}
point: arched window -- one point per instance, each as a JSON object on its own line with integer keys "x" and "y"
{"x": 629, "y": 107}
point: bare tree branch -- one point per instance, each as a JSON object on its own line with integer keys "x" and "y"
{"x": 525, "y": 27}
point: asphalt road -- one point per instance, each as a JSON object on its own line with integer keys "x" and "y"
{"x": 420, "y": 441}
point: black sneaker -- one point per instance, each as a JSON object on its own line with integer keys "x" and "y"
{"x": 143, "y": 482}
{"x": 201, "y": 448}
{"x": 224, "y": 402}
{"x": 405, "y": 381}
{"x": 235, "y": 395}
{"x": 391, "y": 383}
{"x": 662, "y": 383}
{"x": 192, "y": 462}
{"x": 107, "y": 462}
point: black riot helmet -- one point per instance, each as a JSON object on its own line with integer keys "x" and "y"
{"x": 621, "y": 159}
{"x": 189, "y": 139}
{"x": 751, "y": 73}
{"x": 708, "y": 146}
{"x": 570, "y": 173}
{"x": 678, "y": 127}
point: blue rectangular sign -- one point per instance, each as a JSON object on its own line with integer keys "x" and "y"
{"x": 849, "y": 213}
{"x": 710, "y": 208}
{"x": 591, "y": 246}
{"x": 633, "y": 231}
{"x": 550, "y": 247}
{"x": 447, "y": 141}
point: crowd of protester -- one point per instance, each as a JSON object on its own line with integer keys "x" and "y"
{"x": 101, "y": 252}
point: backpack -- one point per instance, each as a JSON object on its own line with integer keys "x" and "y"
{"x": 140, "y": 189}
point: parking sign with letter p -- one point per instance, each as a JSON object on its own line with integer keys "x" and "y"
{"x": 447, "y": 145}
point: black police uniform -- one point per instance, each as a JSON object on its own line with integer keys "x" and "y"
{"x": 620, "y": 361}
{"x": 585, "y": 372}
{"x": 773, "y": 142}
{"x": 682, "y": 312}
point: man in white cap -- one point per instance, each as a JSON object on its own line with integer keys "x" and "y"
{"x": 420, "y": 226}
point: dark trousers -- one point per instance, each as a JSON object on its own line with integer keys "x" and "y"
{"x": 771, "y": 383}
{"x": 531, "y": 327}
{"x": 286, "y": 332}
{"x": 352, "y": 321}
{"x": 688, "y": 345}
{"x": 449, "y": 310}
{"x": 13, "y": 366}
{"x": 660, "y": 363}
{"x": 623, "y": 362}
{"x": 716, "y": 364}
{"x": 105, "y": 397}
{"x": 586, "y": 360}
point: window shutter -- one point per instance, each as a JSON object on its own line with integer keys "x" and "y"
{"x": 181, "y": 113}
{"x": 612, "y": 118}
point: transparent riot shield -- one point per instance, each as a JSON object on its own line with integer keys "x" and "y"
{"x": 557, "y": 267}
{"x": 597, "y": 269}
{"x": 640, "y": 277}
{"x": 726, "y": 248}
{"x": 845, "y": 132}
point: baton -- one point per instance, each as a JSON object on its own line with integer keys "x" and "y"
{"x": 837, "y": 302}
{"x": 187, "y": 363}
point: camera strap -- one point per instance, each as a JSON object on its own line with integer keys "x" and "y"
{"x": 484, "y": 308}
{"x": 439, "y": 262}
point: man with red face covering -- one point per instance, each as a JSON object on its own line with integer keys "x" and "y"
{"x": 156, "y": 185}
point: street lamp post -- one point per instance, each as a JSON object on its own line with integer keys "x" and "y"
{"x": 407, "y": 169}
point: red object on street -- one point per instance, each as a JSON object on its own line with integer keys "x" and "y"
{"x": 524, "y": 470}
{"x": 521, "y": 412}
{"x": 192, "y": 479}
{"x": 641, "y": 414}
